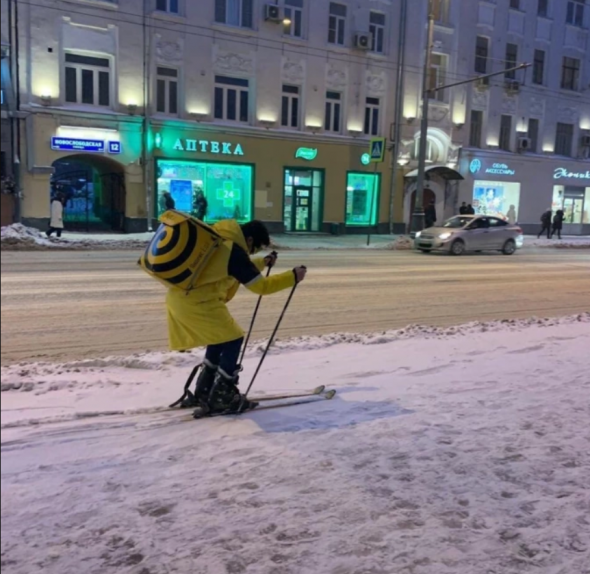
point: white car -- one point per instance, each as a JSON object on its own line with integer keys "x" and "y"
{"x": 465, "y": 233}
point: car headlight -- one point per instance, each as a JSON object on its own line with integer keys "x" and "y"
{"x": 418, "y": 234}
{"x": 444, "y": 235}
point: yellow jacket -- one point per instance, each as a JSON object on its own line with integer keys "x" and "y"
{"x": 200, "y": 317}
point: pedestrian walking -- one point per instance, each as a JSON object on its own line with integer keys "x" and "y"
{"x": 200, "y": 206}
{"x": 463, "y": 209}
{"x": 470, "y": 210}
{"x": 430, "y": 215}
{"x": 56, "y": 222}
{"x": 546, "y": 224}
{"x": 557, "y": 223}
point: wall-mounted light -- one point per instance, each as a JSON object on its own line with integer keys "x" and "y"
{"x": 132, "y": 108}
{"x": 313, "y": 128}
{"x": 410, "y": 119}
{"x": 287, "y": 21}
{"x": 45, "y": 99}
{"x": 355, "y": 133}
{"x": 459, "y": 125}
{"x": 267, "y": 122}
{"x": 403, "y": 161}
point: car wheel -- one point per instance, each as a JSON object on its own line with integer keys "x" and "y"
{"x": 458, "y": 247}
{"x": 509, "y": 247}
{"x": 425, "y": 250}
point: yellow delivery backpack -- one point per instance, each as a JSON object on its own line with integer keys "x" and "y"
{"x": 180, "y": 250}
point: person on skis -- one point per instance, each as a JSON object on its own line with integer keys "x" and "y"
{"x": 200, "y": 318}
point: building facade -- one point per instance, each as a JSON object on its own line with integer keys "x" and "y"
{"x": 267, "y": 110}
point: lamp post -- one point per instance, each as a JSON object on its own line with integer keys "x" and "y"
{"x": 418, "y": 214}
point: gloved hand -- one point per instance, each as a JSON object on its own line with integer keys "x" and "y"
{"x": 271, "y": 259}
{"x": 300, "y": 273}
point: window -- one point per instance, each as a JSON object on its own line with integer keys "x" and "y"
{"x": 533, "y": 134}
{"x": 440, "y": 9}
{"x": 333, "y": 112}
{"x": 570, "y": 74}
{"x": 372, "y": 117}
{"x": 167, "y": 90}
{"x": 564, "y": 137}
{"x": 575, "y": 12}
{"x": 431, "y": 150}
{"x": 290, "y": 107}
{"x": 482, "y": 48}
{"x": 362, "y": 198}
{"x": 234, "y": 12}
{"x": 294, "y": 16}
{"x": 336, "y": 24}
{"x": 438, "y": 66}
{"x": 167, "y": 6}
{"x": 515, "y": 4}
{"x": 231, "y": 99}
{"x": 377, "y": 30}
{"x": 476, "y": 128}
{"x": 511, "y": 59}
{"x": 228, "y": 188}
{"x": 539, "y": 67}
{"x": 87, "y": 80}
{"x": 505, "y": 132}
{"x": 543, "y": 8}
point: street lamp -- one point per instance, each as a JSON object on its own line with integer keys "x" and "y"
{"x": 417, "y": 223}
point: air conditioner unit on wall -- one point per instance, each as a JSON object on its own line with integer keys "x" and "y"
{"x": 524, "y": 143}
{"x": 272, "y": 13}
{"x": 482, "y": 84}
{"x": 362, "y": 41}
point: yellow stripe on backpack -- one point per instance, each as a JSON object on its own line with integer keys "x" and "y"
{"x": 180, "y": 250}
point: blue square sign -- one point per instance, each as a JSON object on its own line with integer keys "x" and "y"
{"x": 115, "y": 147}
{"x": 377, "y": 150}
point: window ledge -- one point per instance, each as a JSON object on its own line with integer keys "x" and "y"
{"x": 170, "y": 17}
{"x": 294, "y": 40}
{"x": 95, "y": 3}
{"x": 229, "y": 29}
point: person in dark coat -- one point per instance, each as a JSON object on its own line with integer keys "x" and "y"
{"x": 557, "y": 223}
{"x": 200, "y": 206}
{"x": 169, "y": 202}
{"x": 463, "y": 209}
{"x": 430, "y": 215}
{"x": 546, "y": 224}
{"x": 470, "y": 210}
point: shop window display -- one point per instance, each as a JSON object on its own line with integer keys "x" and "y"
{"x": 497, "y": 198}
{"x": 362, "y": 196}
{"x": 574, "y": 201}
{"x": 227, "y": 188}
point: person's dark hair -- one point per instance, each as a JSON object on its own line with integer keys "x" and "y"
{"x": 258, "y": 232}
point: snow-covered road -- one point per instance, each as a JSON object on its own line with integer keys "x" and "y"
{"x": 63, "y": 305}
{"x": 464, "y": 451}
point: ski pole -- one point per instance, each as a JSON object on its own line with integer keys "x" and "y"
{"x": 270, "y": 342}
{"x": 244, "y": 347}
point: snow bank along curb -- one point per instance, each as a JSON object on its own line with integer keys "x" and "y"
{"x": 18, "y": 373}
{"x": 18, "y": 237}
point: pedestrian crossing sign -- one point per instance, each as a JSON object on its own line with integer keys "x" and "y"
{"x": 377, "y": 150}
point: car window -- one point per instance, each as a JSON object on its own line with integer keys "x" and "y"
{"x": 495, "y": 222}
{"x": 457, "y": 222}
{"x": 481, "y": 223}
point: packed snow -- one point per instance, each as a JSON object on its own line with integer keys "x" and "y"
{"x": 20, "y": 237}
{"x": 446, "y": 451}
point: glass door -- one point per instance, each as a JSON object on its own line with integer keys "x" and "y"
{"x": 302, "y": 206}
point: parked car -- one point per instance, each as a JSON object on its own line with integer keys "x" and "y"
{"x": 465, "y": 233}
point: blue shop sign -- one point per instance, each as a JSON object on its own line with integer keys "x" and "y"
{"x": 497, "y": 168}
{"x": 87, "y": 145}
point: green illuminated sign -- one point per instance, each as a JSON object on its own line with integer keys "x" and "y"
{"x": 228, "y": 194}
{"x": 306, "y": 153}
{"x": 365, "y": 159}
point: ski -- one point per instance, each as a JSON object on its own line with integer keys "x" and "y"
{"x": 314, "y": 392}
{"x": 328, "y": 395}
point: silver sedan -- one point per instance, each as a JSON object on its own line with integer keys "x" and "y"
{"x": 465, "y": 233}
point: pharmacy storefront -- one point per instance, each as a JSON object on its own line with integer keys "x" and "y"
{"x": 571, "y": 193}
{"x": 292, "y": 186}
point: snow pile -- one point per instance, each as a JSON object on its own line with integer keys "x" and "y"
{"x": 439, "y": 455}
{"x": 18, "y": 235}
{"x": 571, "y": 242}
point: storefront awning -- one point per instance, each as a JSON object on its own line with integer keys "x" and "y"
{"x": 440, "y": 170}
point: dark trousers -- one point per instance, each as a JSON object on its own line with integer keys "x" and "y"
{"x": 556, "y": 230}
{"x": 225, "y": 355}
{"x": 58, "y": 230}
{"x": 547, "y": 228}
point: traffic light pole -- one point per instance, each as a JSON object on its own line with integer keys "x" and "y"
{"x": 418, "y": 213}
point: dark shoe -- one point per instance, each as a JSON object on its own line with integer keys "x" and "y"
{"x": 226, "y": 397}
{"x": 205, "y": 382}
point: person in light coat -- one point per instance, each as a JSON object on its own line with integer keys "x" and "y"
{"x": 57, "y": 212}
